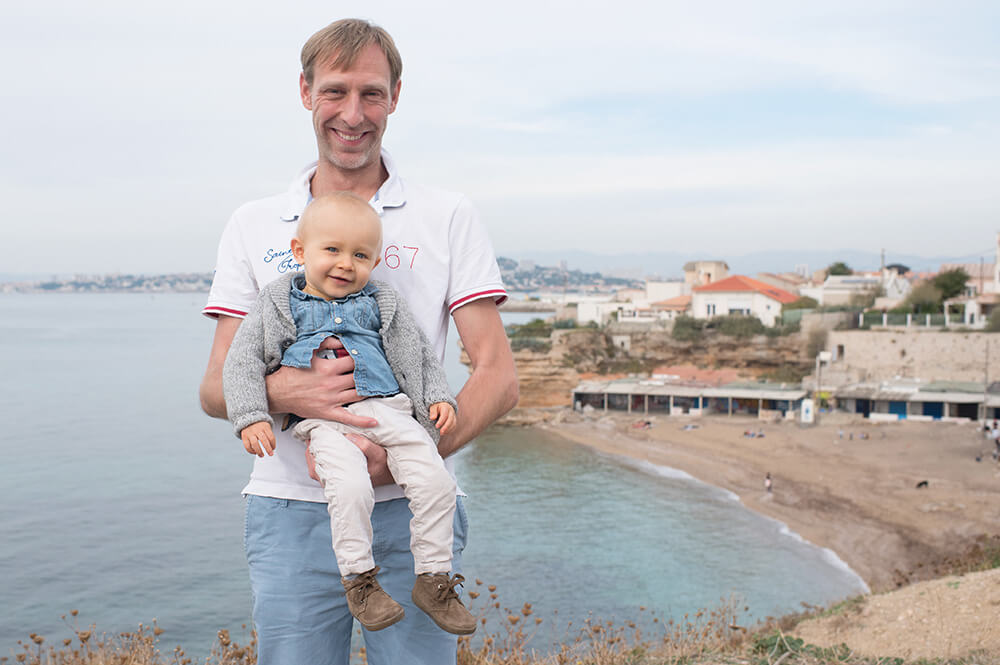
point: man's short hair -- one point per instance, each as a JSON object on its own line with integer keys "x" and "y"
{"x": 340, "y": 43}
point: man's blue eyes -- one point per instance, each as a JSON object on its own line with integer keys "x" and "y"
{"x": 337, "y": 92}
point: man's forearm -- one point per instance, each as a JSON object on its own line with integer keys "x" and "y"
{"x": 486, "y": 396}
{"x": 213, "y": 401}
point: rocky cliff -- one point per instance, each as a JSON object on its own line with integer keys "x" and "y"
{"x": 548, "y": 369}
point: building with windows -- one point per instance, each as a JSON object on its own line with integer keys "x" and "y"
{"x": 740, "y": 294}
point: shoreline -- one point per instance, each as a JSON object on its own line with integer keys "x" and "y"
{"x": 783, "y": 528}
{"x": 847, "y": 485}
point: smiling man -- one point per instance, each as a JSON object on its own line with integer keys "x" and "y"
{"x": 437, "y": 255}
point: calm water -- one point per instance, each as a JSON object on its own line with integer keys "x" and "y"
{"x": 122, "y": 500}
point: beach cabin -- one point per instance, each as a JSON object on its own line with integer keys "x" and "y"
{"x": 939, "y": 400}
{"x": 656, "y": 396}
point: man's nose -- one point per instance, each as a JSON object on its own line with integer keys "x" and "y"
{"x": 351, "y": 112}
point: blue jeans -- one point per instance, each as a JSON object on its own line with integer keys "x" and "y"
{"x": 299, "y": 609}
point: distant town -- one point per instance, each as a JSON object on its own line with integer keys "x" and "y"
{"x": 521, "y": 276}
{"x": 888, "y": 344}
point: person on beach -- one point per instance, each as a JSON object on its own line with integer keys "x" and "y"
{"x": 767, "y": 482}
{"x": 437, "y": 255}
{"x": 338, "y": 243}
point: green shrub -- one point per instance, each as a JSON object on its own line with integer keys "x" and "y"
{"x": 804, "y": 302}
{"x": 737, "y": 325}
{"x": 687, "y": 328}
{"x": 534, "y": 328}
{"x": 993, "y": 323}
{"x": 534, "y": 344}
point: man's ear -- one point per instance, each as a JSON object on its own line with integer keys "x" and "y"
{"x": 395, "y": 95}
{"x": 298, "y": 250}
{"x": 305, "y": 92}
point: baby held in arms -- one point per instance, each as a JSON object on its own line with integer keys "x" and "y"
{"x": 403, "y": 386}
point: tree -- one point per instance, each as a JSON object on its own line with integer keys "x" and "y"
{"x": 925, "y": 298}
{"x": 804, "y": 302}
{"x": 839, "y": 268}
{"x": 993, "y": 323}
{"x": 950, "y": 282}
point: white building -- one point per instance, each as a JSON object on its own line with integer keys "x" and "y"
{"x": 740, "y": 294}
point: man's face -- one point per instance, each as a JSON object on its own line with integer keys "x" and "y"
{"x": 350, "y": 108}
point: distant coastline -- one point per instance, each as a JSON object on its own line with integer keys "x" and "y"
{"x": 169, "y": 283}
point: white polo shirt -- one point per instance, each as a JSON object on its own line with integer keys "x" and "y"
{"x": 435, "y": 253}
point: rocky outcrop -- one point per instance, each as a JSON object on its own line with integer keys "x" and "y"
{"x": 548, "y": 374}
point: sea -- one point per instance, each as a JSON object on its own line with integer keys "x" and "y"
{"x": 120, "y": 499}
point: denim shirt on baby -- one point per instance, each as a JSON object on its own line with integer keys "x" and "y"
{"x": 354, "y": 320}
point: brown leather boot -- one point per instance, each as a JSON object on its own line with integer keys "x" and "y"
{"x": 371, "y": 606}
{"x": 436, "y": 595}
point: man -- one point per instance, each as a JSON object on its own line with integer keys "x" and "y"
{"x": 437, "y": 255}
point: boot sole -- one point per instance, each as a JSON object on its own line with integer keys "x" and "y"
{"x": 445, "y": 628}
{"x": 395, "y": 618}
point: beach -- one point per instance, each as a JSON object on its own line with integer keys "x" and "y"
{"x": 895, "y": 501}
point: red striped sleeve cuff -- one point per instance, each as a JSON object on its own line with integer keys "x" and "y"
{"x": 499, "y": 297}
{"x": 214, "y": 312}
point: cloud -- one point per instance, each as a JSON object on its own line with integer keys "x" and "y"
{"x": 721, "y": 123}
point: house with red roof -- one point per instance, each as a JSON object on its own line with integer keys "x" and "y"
{"x": 740, "y": 294}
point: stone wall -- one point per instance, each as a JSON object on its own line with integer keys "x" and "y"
{"x": 880, "y": 355}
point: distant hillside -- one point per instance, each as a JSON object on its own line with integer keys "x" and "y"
{"x": 637, "y": 265}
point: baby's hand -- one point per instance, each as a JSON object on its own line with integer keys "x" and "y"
{"x": 258, "y": 439}
{"x": 443, "y": 416}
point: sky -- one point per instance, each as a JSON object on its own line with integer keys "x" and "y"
{"x": 131, "y": 131}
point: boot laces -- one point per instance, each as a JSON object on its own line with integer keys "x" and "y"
{"x": 446, "y": 590}
{"x": 365, "y": 583}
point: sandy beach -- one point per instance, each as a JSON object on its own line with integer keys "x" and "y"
{"x": 845, "y": 484}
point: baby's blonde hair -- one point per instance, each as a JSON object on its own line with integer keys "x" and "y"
{"x": 338, "y": 207}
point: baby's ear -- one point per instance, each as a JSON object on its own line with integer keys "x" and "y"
{"x": 378, "y": 260}
{"x": 297, "y": 249}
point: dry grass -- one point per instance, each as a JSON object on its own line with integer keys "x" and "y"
{"x": 708, "y": 637}
{"x": 140, "y": 647}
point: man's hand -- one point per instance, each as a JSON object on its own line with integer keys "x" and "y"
{"x": 378, "y": 467}
{"x": 443, "y": 416}
{"x": 258, "y": 439}
{"x": 320, "y": 391}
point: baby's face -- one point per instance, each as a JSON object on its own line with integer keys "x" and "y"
{"x": 338, "y": 253}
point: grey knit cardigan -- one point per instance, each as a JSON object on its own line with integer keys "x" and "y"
{"x": 269, "y": 329}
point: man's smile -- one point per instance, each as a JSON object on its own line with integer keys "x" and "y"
{"x": 348, "y": 137}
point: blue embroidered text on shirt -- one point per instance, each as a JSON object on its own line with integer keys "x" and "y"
{"x": 284, "y": 259}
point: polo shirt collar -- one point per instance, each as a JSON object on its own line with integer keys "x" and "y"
{"x": 390, "y": 195}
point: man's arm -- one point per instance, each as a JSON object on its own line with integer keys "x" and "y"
{"x": 491, "y": 389}
{"x": 210, "y": 391}
{"x": 317, "y": 392}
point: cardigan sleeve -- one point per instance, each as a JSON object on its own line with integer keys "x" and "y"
{"x": 243, "y": 373}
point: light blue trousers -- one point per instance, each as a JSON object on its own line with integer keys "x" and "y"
{"x": 299, "y": 609}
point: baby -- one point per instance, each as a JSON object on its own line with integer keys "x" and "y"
{"x": 404, "y": 389}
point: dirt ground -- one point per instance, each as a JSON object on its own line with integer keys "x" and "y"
{"x": 949, "y": 617}
{"x": 896, "y": 502}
